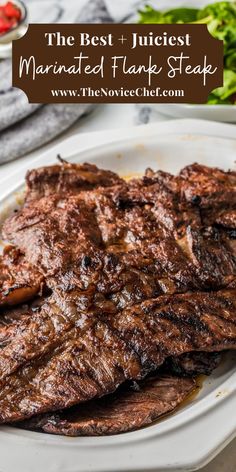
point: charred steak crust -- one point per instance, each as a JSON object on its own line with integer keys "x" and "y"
{"x": 209, "y": 187}
{"x": 18, "y": 279}
{"x": 193, "y": 363}
{"x": 67, "y": 179}
{"x": 61, "y": 357}
{"x": 126, "y": 242}
{"x": 109, "y": 250}
{"x": 132, "y": 407}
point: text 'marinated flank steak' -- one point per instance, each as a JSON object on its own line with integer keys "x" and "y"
{"x": 136, "y": 273}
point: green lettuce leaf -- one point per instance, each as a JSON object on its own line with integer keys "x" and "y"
{"x": 220, "y": 18}
{"x": 229, "y": 87}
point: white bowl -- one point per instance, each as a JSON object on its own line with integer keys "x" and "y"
{"x": 223, "y": 113}
{"x": 14, "y": 33}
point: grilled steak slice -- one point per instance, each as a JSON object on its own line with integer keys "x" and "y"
{"x": 63, "y": 355}
{"x": 11, "y": 321}
{"x": 193, "y": 363}
{"x": 130, "y": 408}
{"x": 133, "y": 405}
{"x": 11, "y": 315}
{"x": 208, "y": 187}
{"x": 102, "y": 250}
{"x": 227, "y": 219}
{"x": 66, "y": 179}
{"x": 210, "y": 190}
{"x": 113, "y": 244}
{"x": 214, "y": 193}
{"x": 224, "y": 218}
{"x": 19, "y": 281}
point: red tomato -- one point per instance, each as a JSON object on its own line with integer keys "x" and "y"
{"x": 10, "y": 16}
{"x": 5, "y": 25}
{"x": 2, "y": 12}
{"x": 11, "y": 11}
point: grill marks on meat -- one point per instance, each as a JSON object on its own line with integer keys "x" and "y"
{"x": 76, "y": 358}
{"x": 19, "y": 281}
{"x": 134, "y": 404}
{"x": 193, "y": 363}
{"x": 214, "y": 193}
{"x": 55, "y": 233}
{"x": 208, "y": 187}
{"x": 178, "y": 324}
{"x": 130, "y": 242}
{"x": 66, "y": 179}
{"x": 131, "y": 407}
{"x": 103, "y": 246}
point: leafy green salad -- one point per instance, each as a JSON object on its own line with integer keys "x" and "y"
{"x": 220, "y": 19}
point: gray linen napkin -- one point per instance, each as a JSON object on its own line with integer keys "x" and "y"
{"x": 24, "y": 126}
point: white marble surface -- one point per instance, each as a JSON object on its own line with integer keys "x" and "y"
{"x": 122, "y": 116}
{"x": 103, "y": 117}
